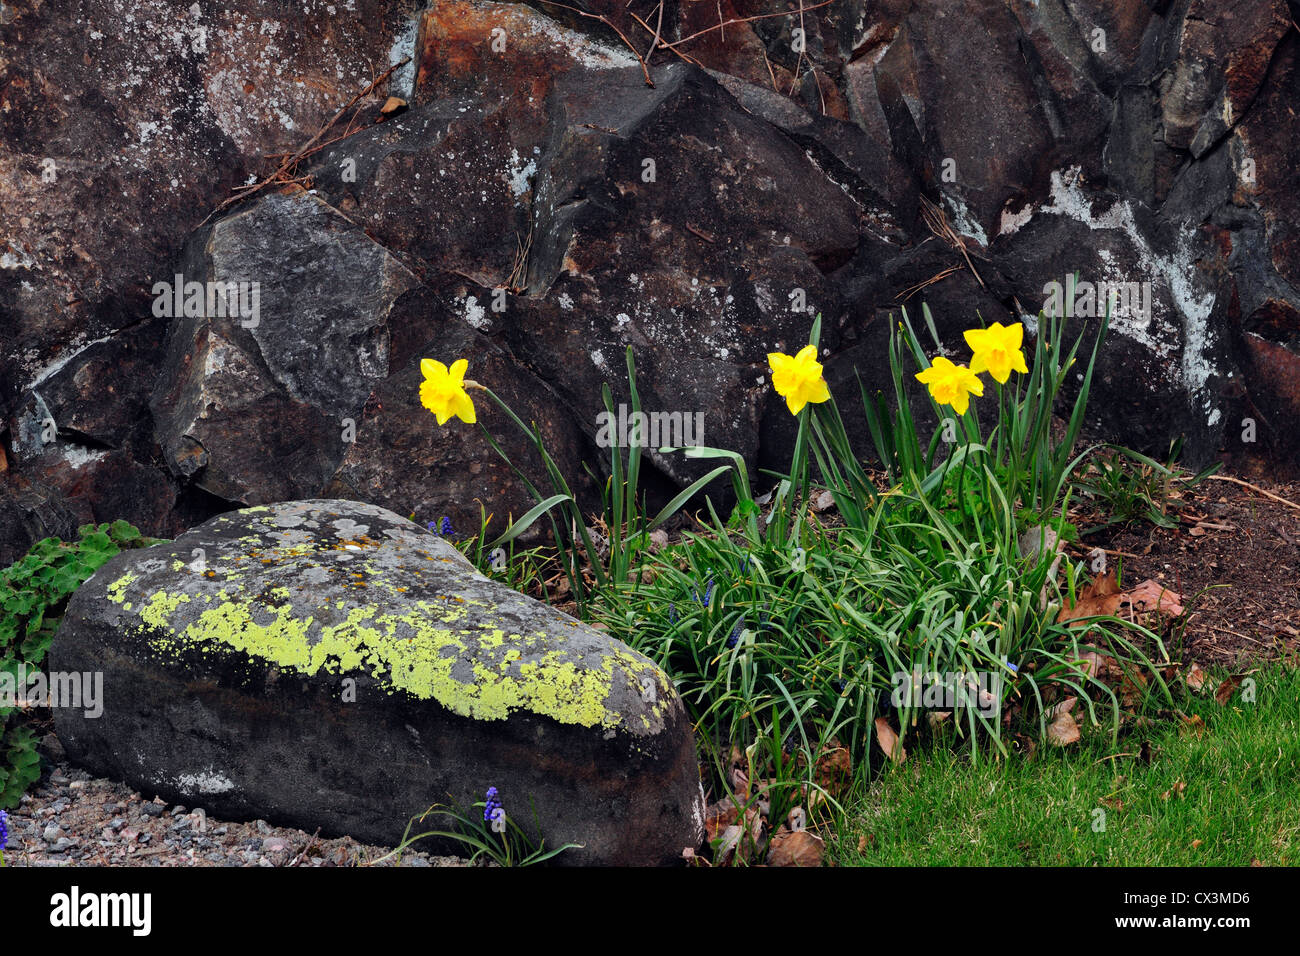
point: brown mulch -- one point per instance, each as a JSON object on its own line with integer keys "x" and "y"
{"x": 1235, "y": 559}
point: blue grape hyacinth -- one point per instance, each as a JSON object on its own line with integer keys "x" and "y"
{"x": 708, "y": 593}
{"x": 492, "y": 805}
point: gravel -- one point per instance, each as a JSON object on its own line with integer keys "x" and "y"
{"x": 73, "y": 819}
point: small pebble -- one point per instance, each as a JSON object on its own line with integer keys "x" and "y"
{"x": 72, "y": 818}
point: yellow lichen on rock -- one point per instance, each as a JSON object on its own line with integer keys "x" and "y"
{"x": 421, "y": 664}
{"x": 117, "y": 590}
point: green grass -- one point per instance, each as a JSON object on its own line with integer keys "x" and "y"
{"x": 1242, "y": 797}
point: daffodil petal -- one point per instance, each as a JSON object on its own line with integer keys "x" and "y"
{"x": 463, "y": 406}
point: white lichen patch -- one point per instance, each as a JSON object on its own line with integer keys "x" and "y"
{"x": 347, "y": 528}
{"x": 205, "y": 781}
{"x": 962, "y": 220}
{"x": 402, "y": 81}
{"x": 585, "y": 51}
{"x": 46, "y": 371}
{"x": 519, "y": 174}
{"x": 78, "y": 456}
{"x": 475, "y": 314}
{"x": 1176, "y": 272}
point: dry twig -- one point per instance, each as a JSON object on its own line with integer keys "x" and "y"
{"x": 937, "y": 222}
{"x": 284, "y": 172}
{"x": 1256, "y": 488}
{"x": 609, "y": 23}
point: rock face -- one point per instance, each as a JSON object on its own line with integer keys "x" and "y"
{"x": 537, "y": 207}
{"x": 329, "y": 664}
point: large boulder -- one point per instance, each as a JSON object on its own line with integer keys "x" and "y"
{"x": 120, "y": 129}
{"x": 329, "y": 664}
{"x": 538, "y": 201}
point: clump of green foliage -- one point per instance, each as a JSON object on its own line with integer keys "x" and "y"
{"x": 786, "y": 634}
{"x": 511, "y": 845}
{"x": 34, "y": 592}
{"x": 1126, "y": 486}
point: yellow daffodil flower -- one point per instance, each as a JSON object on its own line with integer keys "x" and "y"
{"x": 798, "y": 378}
{"x": 951, "y": 384}
{"x": 997, "y": 350}
{"x": 443, "y": 391}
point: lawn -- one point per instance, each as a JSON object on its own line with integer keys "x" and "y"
{"x": 1221, "y": 791}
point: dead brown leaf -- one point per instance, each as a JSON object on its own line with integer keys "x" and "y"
{"x": 1129, "y": 683}
{"x": 724, "y": 852}
{"x": 800, "y": 848}
{"x": 1102, "y": 597}
{"x": 835, "y": 770}
{"x": 1196, "y": 677}
{"x": 740, "y": 783}
{"x": 1063, "y": 730}
{"x": 889, "y": 742}
{"x": 1193, "y": 724}
{"x": 694, "y": 859}
{"x": 1149, "y": 596}
{"x": 1227, "y": 687}
{"x": 1177, "y": 790}
{"x": 718, "y": 816}
{"x": 1098, "y": 597}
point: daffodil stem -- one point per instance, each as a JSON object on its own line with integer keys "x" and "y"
{"x": 561, "y": 487}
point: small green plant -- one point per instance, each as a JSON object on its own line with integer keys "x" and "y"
{"x": 488, "y": 834}
{"x": 34, "y": 591}
{"x": 1125, "y": 486}
{"x": 578, "y": 552}
{"x": 525, "y": 570}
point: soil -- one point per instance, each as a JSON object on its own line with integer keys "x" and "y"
{"x": 1235, "y": 559}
